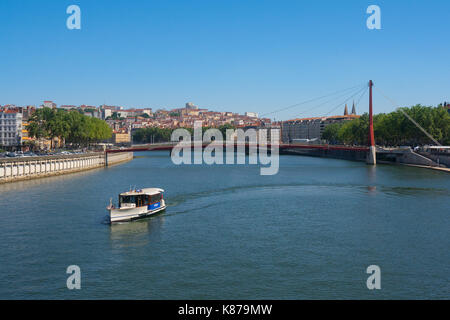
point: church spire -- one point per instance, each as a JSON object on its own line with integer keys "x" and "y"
{"x": 353, "y": 108}
{"x": 346, "y": 110}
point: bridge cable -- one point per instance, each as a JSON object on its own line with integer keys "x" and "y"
{"x": 326, "y": 102}
{"x": 396, "y": 105}
{"x": 363, "y": 90}
{"x": 311, "y": 100}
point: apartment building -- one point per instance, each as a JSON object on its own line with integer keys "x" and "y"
{"x": 10, "y": 128}
{"x": 312, "y": 128}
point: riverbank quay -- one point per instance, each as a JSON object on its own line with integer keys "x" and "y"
{"x": 402, "y": 155}
{"x": 429, "y": 167}
{"x": 325, "y": 151}
{"x": 17, "y": 169}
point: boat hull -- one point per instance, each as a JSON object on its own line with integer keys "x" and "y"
{"x": 129, "y": 214}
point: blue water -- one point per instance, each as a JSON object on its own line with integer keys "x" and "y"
{"x": 308, "y": 232}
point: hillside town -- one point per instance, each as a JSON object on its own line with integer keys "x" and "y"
{"x": 123, "y": 121}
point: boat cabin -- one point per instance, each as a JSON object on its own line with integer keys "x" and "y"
{"x": 141, "y": 197}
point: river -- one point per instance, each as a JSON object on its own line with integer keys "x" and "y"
{"x": 309, "y": 232}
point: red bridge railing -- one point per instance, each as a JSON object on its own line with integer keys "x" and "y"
{"x": 282, "y": 147}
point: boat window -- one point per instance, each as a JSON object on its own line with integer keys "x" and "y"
{"x": 156, "y": 198}
{"x": 127, "y": 199}
{"x": 141, "y": 200}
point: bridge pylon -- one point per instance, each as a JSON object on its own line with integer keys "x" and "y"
{"x": 372, "y": 155}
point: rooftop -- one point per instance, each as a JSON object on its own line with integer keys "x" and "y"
{"x": 352, "y": 116}
{"x": 147, "y": 191}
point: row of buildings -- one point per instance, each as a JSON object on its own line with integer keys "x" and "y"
{"x": 123, "y": 121}
{"x": 306, "y": 130}
{"x": 14, "y": 121}
{"x": 13, "y": 125}
{"x": 183, "y": 118}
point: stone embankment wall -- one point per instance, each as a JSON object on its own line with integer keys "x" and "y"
{"x": 442, "y": 159}
{"x": 15, "y": 169}
{"x": 352, "y": 155}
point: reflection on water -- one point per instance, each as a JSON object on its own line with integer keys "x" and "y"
{"x": 412, "y": 191}
{"x": 371, "y": 175}
{"x": 135, "y": 233}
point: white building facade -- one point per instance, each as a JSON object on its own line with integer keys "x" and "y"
{"x": 10, "y": 128}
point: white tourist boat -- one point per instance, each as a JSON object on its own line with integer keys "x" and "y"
{"x": 135, "y": 204}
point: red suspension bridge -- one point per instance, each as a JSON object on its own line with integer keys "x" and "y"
{"x": 361, "y": 153}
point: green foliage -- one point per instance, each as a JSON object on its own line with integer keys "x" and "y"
{"x": 331, "y": 132}
{"x": 355, "y": 131}
{"x": 69, "y": 126}
{"x": 114, "y": 116}
{"x": 224, "y": 128}
{"x": 148, "y": 135}
{"x": 89, "y": 110}
{"x": 394, "y": 129}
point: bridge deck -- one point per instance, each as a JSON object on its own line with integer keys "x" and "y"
{"x": 159, "y": 147}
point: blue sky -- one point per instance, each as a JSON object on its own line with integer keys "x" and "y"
{"x": 228, "y": 55}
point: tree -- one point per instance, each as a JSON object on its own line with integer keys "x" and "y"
{"x": 394, "y": 129}
{"x": 153, "y": 134}
{"x": 69, "y": 126}
{"x": 330, "y": 133}
{"x": 114, "y": 116}
{"x": 223, "y": 129}
{"x": 58, "y": 127}
{"x": 39, "y": 123}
